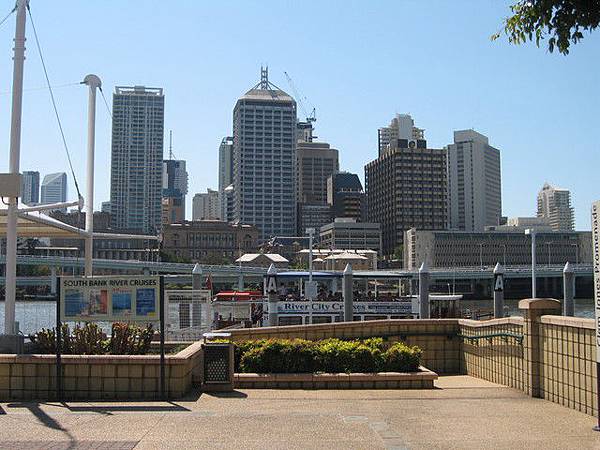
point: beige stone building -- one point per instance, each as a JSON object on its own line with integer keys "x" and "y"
{"x": 208, "y": 241}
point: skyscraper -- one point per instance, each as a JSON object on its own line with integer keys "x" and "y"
{"x": 346, "y": 196}
{"x": 206, "y": 206}
{"x": 225, "y": 170}
{"x": 316, "y": 161}
{"x": 554, "y": 204}
{"x": 54, "y": 188}
{"x": 136, "y": 158}
{"x": 30, "y": 187}
{"x": 174, "y": 189}
{"x": 264, "y": 159}
{"x": 406, "y": 187}
{"x": 401, "y": 127}
{"x": 474, "y": 182}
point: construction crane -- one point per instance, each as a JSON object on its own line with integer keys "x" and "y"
{"x": 312, "y": 117}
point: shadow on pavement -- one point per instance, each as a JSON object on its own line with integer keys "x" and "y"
{"x": 109, "y": 409}
{"x": 233, "y": 394}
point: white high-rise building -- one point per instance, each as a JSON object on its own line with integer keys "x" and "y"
{"x": 137, "y": 158}
{"x": 206, "y": 206}
{"x": 554, "y": 204}
{"x": 225, "y": 170}
{"x": 474, "y": 182}
{"x": 54, "y": 188}
{"x": 401, "y": 127}
{"x": 30, "y": 187}
{"x": 264, "y": 159}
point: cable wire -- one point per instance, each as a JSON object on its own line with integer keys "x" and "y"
{"x": 39, "y": 47}
{"x": 56, "y": 86}
{"x": 105, "y": 103}
{"x": 8, "y": 15}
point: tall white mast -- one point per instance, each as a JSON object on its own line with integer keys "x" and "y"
{"x": 14, "y": 162}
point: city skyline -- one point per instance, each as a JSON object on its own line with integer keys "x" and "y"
{"x": 353, "y": 100}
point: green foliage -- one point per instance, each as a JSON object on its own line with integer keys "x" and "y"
{"x": 280, "y": 356}
{"x": 562, "y": 20}
{"x": 126, "y": 339}
{"x": 402, "y": 358}
{"x": 328, "y": 355}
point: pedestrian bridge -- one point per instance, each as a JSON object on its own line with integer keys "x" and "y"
{"x": 182, "y": 271}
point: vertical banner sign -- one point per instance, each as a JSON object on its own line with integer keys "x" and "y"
{"x": 596, "y": 262}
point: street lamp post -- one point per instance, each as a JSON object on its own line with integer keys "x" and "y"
{"x": 531, "y": 232}
{"x": 311, "y": 289}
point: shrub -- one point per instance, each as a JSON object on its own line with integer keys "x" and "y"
{"x": 280, "y": 356}
{"x": 328, "y": 355}
{"x": 402, "y": 358}
{"x": 88, "y": 339}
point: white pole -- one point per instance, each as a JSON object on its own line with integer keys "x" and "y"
{"x": 310, "y": 232}
{"x": 14, "y": 160}
{"x": 94, "y": 83}
{"x": 531, "y": 231}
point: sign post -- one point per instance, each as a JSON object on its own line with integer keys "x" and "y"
{"x": 110, "y": 299}
{"x": 498, "y": 291}
{"x": 596, "y": 256}
{"x": 58, "y": 346}
{"x": 273, "y": 296}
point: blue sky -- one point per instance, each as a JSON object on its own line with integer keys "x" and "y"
{"x": 357, "y": 62}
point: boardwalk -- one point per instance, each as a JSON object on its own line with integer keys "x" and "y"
{"x": 462, "y": 413}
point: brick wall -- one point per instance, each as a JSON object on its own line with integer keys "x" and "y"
{"x": 497, "y": 358}
{"x": 437, "y": 337}
{"x": 568, "y": 369}
{"x": 103, "y": 377}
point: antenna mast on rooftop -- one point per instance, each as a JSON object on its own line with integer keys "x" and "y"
{"x": 170, "y": 144}
{"x": 264, "y": 77}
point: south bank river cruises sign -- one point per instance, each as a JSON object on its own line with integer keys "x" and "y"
{"x": 110, "y": 299}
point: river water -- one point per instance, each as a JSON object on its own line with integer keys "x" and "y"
{"x": 35, "y": 315}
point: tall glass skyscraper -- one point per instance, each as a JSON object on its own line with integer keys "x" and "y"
{"x": 30, "y": 187}
{"x": 264, "y": 159}
{"x": 136, "y": 158}
{"x": 54, "y": 188}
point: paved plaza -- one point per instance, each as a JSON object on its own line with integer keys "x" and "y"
{"x": 462, "y": 412}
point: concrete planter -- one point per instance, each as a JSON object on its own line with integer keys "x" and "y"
{"x": 99, "y": 377}
{"x": 423, "y": 379}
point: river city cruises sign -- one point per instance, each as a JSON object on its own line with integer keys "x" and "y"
{"x": 110, "y": 299}
{"x": 381, "y": 308}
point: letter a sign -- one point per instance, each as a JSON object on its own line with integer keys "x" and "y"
{"x": 271, "y": 285}
{"x": 499, "y": 283}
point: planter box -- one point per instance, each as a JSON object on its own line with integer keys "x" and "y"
{"x": 99, "y": 377}
{"x": 423, "y": 379}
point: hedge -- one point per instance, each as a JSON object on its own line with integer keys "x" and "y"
{"x": 328, "y": 355}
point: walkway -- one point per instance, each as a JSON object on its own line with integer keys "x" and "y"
{"x": 463, "y": 413}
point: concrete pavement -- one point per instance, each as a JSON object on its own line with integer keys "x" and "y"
{"x": 462, "y": 413}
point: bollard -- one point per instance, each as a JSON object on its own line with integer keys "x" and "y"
{"x": 197, "y": 277}
{"x": 53, "y": 280}
{"x": 424, "y": 291}
{"x": 498, "y": 291}
{"x": 273, "y": 295}
{"x": 568, "y": 290}
{"x": 348, "y": 294}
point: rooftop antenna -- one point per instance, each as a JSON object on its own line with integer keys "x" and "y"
{"x": 170, "y": 144}
{"x": 264, "y": 77}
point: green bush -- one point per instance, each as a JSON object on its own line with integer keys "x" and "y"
{"x": 402, "y": 358}
{"x": 280, "y": 356}
{"x": 88, "y": 339}
{"x": 328, "y": 355}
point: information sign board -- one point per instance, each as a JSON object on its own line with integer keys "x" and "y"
{"x": 110, "y": 299}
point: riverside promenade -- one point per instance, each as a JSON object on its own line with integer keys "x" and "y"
{"x": 461, "y": 413}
